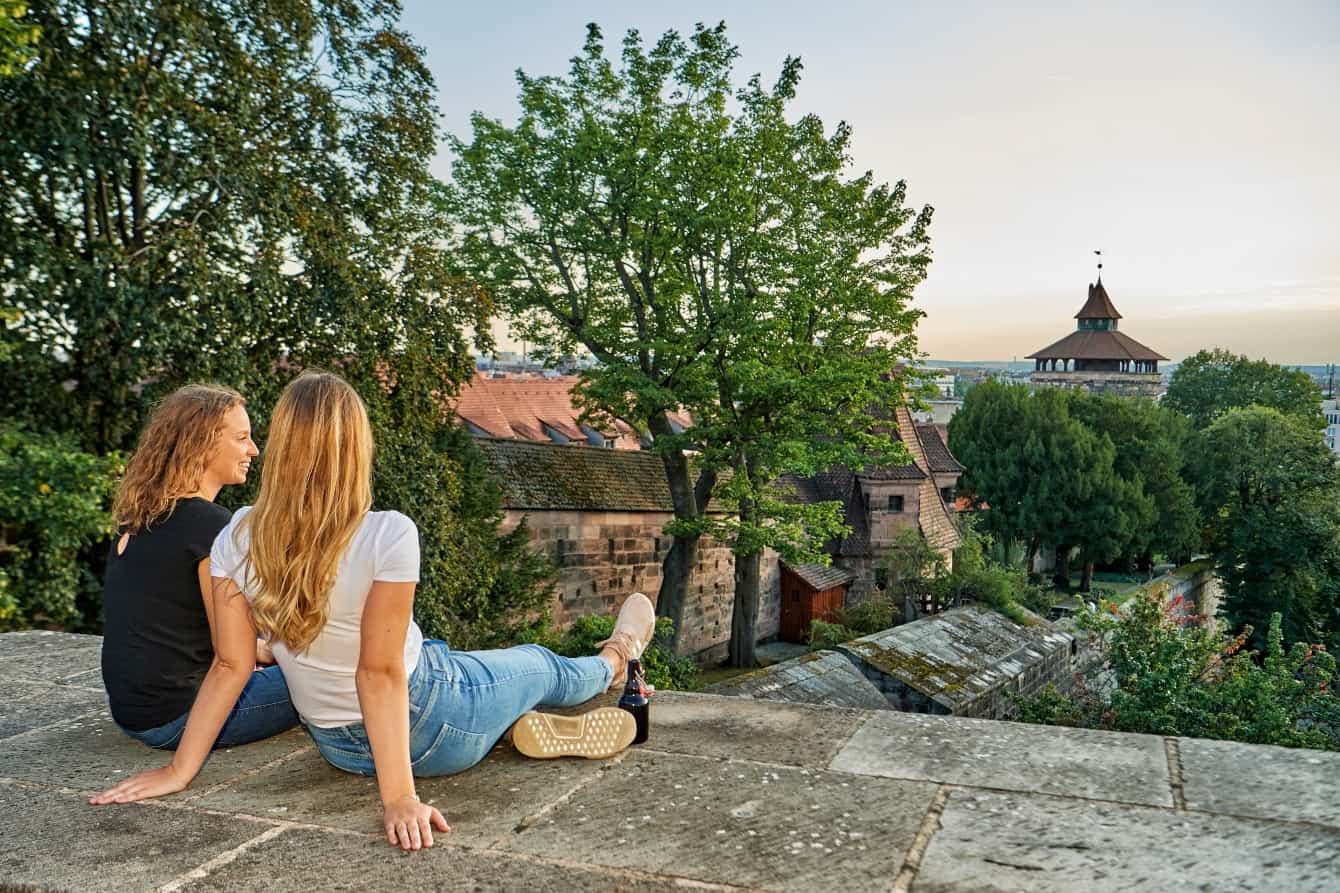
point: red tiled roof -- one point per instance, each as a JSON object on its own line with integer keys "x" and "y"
{"x": 937, "y": 451}
{"x": 529, "y": 407}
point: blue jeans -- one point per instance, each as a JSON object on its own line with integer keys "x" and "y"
{"x": 461, "y": 703}
{"x": 262, "y": 710}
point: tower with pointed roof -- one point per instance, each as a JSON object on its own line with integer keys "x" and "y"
{"x": 1097, "y": 356}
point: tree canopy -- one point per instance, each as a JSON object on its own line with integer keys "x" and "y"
{"x": 233, "y": 191}
{"x": 716, "y": 258}
{"x": 1270, "y": 493}
{"x": 1212, "y": 382}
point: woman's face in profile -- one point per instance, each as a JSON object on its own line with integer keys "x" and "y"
{"x": 235, "y": 449}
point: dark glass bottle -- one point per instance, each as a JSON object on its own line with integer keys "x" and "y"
{"x": 635, "y": 700}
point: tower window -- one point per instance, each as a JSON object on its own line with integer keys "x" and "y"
{"x": 895, "y": 503}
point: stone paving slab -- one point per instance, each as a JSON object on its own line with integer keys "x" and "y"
{"x": 1011, "y": 756}
{"x": 293, "y": 860}
{"x": 772, "y": 828}
{"x": 39, "y": 640}
{"x": 1266, "y": 782}
{"x": 482, "y": 804}
{"x": 991, "y": 841}
{"x": 58, "y": 660}
{"x": 92, "y": 753}
{"x": 55, "y": 841}
{"x": 25, "y": 706}
{"x": 743, "y": 729}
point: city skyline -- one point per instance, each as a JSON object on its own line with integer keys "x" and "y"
{"x": 1194, "y": 146}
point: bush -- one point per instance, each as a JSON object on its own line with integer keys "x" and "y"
{"x": 54, "y": 516}
{"x": 1176, "y": 678}
{"x": 877, "y": 612}
{"x": 829, "y": 635}
{"x": 664, "y": 670}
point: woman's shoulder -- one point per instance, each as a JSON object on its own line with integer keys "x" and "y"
{"x": 389, "y": 523}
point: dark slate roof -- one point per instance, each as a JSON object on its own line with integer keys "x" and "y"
{"x": 937, "y": 452}
{"x": 822, "y": 577}
{"x": 956, "y": 657}
{"x": 1099, "y": 344}
{"x": 539, "y": 476}
{"x": 822, "y": 677}
{"x": 1099, "y": 305}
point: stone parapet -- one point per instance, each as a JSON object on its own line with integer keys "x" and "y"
{"x": 729, "y": 794}
{"x": 1123, "y": 384}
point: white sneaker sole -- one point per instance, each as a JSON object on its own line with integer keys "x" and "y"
{"x": 595, "y": 735}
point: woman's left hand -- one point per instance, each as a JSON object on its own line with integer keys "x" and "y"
{"x": 143, "y": 786}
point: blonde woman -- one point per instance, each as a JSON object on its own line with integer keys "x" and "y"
{"x": 157, "y": 643}
{"x": 331, "y": 584}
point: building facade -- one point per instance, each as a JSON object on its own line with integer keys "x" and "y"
{"x": 1097, "y": 356}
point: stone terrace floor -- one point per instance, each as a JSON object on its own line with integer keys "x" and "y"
{"x": 728, "y": 794}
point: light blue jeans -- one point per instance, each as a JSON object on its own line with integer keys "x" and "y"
{"x": 461, "y": 703}
{"x": 262, "y": 710}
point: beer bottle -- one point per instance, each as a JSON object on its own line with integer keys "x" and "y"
{"x": 635, "y": 700}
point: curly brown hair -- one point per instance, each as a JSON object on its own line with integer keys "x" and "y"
{"x": 172, "y": 454}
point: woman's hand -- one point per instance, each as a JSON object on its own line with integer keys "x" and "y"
{"x": 144, "y": 786}
{"x": 409, "y": 823}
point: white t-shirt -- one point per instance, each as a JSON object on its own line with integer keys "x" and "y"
{"x": 321, "y": 680}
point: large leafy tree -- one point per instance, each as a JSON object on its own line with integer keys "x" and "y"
{"x": 1149, "y": 457}
{"x": 715, "y": 261}
{"x": 17, "y": 36}
{"x": 1212, "y": 382}
{"x": 233, "y": 191}
{"x": 1270, "y": 491}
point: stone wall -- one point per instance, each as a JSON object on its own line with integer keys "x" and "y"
{"x": 1124, "y": 384}
{"x": 602, "y": 557}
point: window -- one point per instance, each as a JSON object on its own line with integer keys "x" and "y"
{"x": 795, "y": 595}
{"x": 881, "y": 578}
{"x": 895, "y": 503}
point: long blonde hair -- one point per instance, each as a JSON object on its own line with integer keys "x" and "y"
{"x": 316, "y": 487}
{"x": 175, "y": 446}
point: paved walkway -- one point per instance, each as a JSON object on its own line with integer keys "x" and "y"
{"x": 729, "y": 794}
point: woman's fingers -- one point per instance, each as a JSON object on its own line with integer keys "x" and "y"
{"x": 425, "y": 831}
{"x": 415, "y": 836}
{"x": 439, "y": 820}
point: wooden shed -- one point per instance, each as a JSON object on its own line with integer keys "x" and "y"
{"x": 810, "y": 592}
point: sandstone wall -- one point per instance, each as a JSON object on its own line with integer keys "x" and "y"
{"x": 602, "y": 557}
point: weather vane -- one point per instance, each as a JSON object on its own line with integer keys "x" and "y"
{"x": 1100, "y": 263}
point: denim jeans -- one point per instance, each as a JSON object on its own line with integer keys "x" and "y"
{"x": 461, "y": 703}
{"x": 262, "y": 710}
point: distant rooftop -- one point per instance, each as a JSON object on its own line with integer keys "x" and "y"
{"x": 729, "y": 795}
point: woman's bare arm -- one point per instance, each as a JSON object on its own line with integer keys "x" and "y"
{"x": 383, "y": 695}
{"x": 234, "y": 657}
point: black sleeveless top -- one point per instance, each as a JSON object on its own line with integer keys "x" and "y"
{"x": 156, "y": 647}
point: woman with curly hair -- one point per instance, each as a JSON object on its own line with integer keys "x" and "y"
{"x": 331, "y": 584}
{"x": 160, "y": 624}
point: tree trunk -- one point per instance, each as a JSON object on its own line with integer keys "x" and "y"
{"x": 690, "y": 500}
{"x": 675, "y": 571}
{"x": 1086, "y": 581}
{"x": 1062, "y": 576}
{"x": 1029, "y": 557}
{"x": 744, "y": 619}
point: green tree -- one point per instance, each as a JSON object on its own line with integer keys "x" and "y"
{"x": 1046, "y": 477}
{"x": 17, "y": 36}
{"x": 53, "y": 506}
{"x": 714, "y": 262}
{"x": 1148, "y": 442}
{"x": 1207, "y": 385}
{"x": 234, "y": 191}
{"x": 1270, "y": 493}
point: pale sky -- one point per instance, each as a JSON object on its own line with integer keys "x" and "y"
{"x": 1196, "y": 144}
